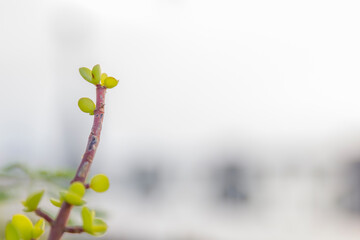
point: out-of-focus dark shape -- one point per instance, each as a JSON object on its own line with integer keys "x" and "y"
{"x": 350, "y": 199}
{"x": 146, "y": 180}
{"x": 231, "y": 182}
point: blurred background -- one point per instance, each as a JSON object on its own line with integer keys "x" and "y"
{"x": 232, "y": 119}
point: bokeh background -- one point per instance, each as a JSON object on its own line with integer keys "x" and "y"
{"x": 232, "y": 119}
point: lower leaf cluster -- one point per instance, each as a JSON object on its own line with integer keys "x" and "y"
{"x": 21, "y": 227}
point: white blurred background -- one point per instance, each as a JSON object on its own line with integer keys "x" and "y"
{"x": 232, "y": 119}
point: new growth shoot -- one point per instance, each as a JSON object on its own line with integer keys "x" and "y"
{"x": 20, "y": 227}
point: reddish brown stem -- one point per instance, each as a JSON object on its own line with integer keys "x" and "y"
{"x": 44, "y": 215}
{"x": 59, "y": 225}
{"x": 75, "y": 229}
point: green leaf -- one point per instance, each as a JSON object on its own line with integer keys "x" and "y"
{"x": 77, "y": 188}
{"x": 88, "y": 218}
{"x": 23, "y": 224}
{"x": 99, "y": 227}
{"x": 96, "y": 74}
{"x": 100, "y": 183}
{"x": 55, "y": 202}
{"x": 86, "y": 74}
{"x": 87, "y": 105}
{"x": 103, "y": 76}
{"x": 74, "y": 194}
{"x": 11, "y": 232}
{"x": 110, "y": 82}
{"x": 39, "y": 228}
{"x": 92, "y": 225}
{"x": 73, "y": 199}
{"x": 32, "y": 201}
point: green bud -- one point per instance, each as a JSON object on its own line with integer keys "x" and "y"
{"x": 86, "y": 74}
{"x": 39, "y": 229}
{"x": 72, "y": 198}
{"x": 24, "y": 226}
{"x": 87, "y": 105}
{"x": 103, "y": 76}
{"x": 32, "y": 201}
{"x": 110, "y": 82}
{"x": 11, "y": 233}
{"x": 96, "y": 74}
{"x": 100, "y": 183}
{"x": 74, "y": 194}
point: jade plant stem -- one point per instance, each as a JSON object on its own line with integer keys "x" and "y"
{"x": 59, "y": 224}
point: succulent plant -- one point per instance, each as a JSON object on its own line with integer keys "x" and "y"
{"x": 22, "y": 228}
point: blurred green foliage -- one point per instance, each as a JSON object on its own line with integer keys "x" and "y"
{"x": 13, "y": 177}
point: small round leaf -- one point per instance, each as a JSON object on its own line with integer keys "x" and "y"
{"x": 103, "y": 76}
{"x": 110, "y": 82}
{"x": 96, "y": 74}
{"x": 100, "y": 183}
{"x": 86, "y": 74}
{"x": 78, "y": 188}
{"x": 23, "y": 224}
{"x": 86, "y": 105}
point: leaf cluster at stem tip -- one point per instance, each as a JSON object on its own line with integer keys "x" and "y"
{"x": 95, "y": 77}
